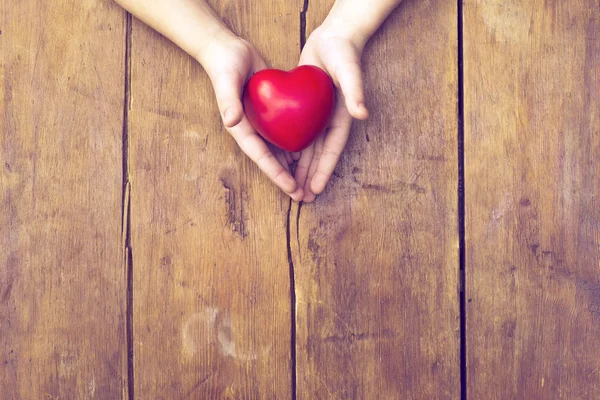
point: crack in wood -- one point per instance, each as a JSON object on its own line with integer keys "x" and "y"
{"x": 289, "y": 241}
{"x": 298, "y": 231}
{"x": 292, "y": 299}
{"x": 462, "y": 292}
{"x": 126, "y": 212}
{"x": 303, "y": 24}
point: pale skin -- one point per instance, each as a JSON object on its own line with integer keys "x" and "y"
{"x": 336, "y": 46}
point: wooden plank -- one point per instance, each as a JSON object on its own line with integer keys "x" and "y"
{"x": 211, "y": 282}
{"x": 532, "y": 156}
{"x": 62, "y": 288}
{"x": 376, "y": 256}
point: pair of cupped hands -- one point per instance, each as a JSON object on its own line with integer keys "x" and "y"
{"x": 230, "y": 60}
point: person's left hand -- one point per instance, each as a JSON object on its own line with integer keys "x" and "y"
{"x": 339, "y": 56}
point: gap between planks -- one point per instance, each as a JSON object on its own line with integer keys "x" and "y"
{"x": 126, "y": 209}
{"x": 461, "y": 206}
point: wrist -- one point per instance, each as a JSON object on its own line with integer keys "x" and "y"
{"x": 358, "y": 20}
{"x": 352, "y": 31}
{"x": 214, "y": 39}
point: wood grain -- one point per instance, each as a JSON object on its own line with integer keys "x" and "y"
{"x": 532, "y": 156}
{"x": 62, "y": 287}
{"x": 208, "y": 230}
{"x": 376, "y": 256}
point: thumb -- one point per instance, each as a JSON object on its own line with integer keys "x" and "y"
{"x": 228, "y": 91}
{"x": 349, "y": 77}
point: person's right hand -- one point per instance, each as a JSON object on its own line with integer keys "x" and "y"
{"x": 229, "y": 61}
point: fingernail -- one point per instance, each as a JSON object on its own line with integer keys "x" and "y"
{"x": 362, "y": 108}
{"x": 291, "y": 184}
{"x": 317, "y": 185}
{"x": 309, "y": 197}
{"x": 298, "y": 195}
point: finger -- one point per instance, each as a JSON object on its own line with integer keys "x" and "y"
{"x": 333, "y": 145}
{"x": 228, "y": 91}
{"x": 288, "y": 157}
{"x": 258, "y": 63}
{"x": 308, "y": 57}
{"x": 303, "y": 165}
{"x": 349, "y": 76}
{"x": 280, "y": 156}
{"x": 296, "y": 155}
{"x": 251, "y": 144}
{"x": 298, "y": 194}
{"x": 309, "y": 195}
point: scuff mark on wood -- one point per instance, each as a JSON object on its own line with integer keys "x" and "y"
{"x": 235, "y": 207}
{"x": 197, "y": 386}
{"x": 6, "y": 293}
{"x": 351, "y": 337}
{"x": 394, "y": 187}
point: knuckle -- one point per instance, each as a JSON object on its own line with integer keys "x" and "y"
{"x": 329, "y": 151}
{"x": 264, "y": 157}
{"x": 280, "y": 172}
{"x": 323, "y": 174}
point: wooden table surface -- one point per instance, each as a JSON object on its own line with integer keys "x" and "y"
{"x": 454, "y": 255}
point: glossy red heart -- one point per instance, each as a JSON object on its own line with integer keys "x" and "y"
{"x": 290, "y": 109}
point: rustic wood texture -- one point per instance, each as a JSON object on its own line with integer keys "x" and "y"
{"x": 208, "y": 230}
{"x": 62, "y": 287}
{"x": 376, "y": 256}
{"x": 532, "y": 163}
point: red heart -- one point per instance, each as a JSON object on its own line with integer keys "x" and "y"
{"x": 290, "y": 109}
